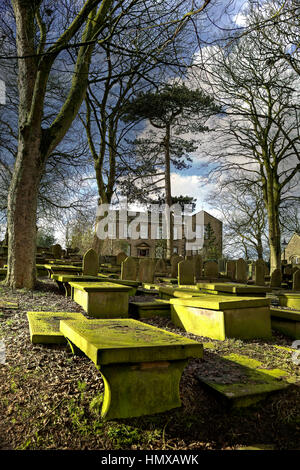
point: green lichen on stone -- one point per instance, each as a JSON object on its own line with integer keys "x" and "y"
{"x": 127, "y": 341}
{"x": 291, "y": 300}
{"x": 245, "y": 381}
{"x": 222, "y": 302}
{"x": 149, "y": 309}
{"x": 233, "y": 288}
{"x": 44, "y": 326}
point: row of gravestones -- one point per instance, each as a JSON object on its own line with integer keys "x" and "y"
{"x": 187, "y": 270}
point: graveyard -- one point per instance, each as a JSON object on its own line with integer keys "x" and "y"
{"x": 149, "y": 226}
{"x": 150, "y": 354}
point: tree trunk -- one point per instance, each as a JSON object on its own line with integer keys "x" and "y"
{"x": 274, "y": 226}
{"x": 22, "y": 208}
{"x": 168, "y": 194}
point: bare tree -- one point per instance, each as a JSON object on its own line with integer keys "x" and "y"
{"x": 260, "y": 134}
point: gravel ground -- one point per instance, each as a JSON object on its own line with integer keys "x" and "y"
{"x": 48, "y": 398}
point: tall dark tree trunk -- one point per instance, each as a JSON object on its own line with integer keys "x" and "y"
{"x": 22, "y": 209}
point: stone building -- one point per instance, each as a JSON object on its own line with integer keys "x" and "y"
{"x": 143, "y": 234}
{"x": 291, "y": 253}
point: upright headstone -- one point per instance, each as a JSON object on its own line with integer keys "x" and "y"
{"x": 146, "y": 270}
{"x": 57, "y": 251}
{"x": 186, "y": 273}
{"x": 230, "y": 269}
{"x": 90, "y": 263}
{"x": 259, "y": 274}
{"x": 160, "y": 266}
{"x": 120, "y": 258}
{"x": 128, "y": 269}
{"x": 222, "y": 265}
{"x": 241, "y": 270}
{"x": 211, "y": 270}
{"x": 198, "y": 266}
{"x": 174, "y": 265}
{"x": 276, "y": 278}
{"x": 296, "y": 280}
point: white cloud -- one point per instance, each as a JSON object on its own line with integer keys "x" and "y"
{"x": 194, "y": 186}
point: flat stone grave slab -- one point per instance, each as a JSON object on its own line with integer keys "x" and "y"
{"x": 150, "y": 292}
{"x": 44, "y": 326}
{"x": 41, "y": 270}
{"x": 168, "y": 292}
{"x": 233, "y": 289}
{"x": 221, "y": 317}
{"x": 159, "y": 308}
{"x": 291, "y": 300}
{"x": 171, "y": 280}
{"x": 240, "y": 381}
{"x": 132, "y": 284}
{"x": 63, "y": 281}
{"x": 286, "y": 321}
{"x": 62, "y": 269}
{"x": 8, "y": 305}
{"x": 102, "y": 299}
{"x": 141, "y": 365}
{"x": 148, "y": 286}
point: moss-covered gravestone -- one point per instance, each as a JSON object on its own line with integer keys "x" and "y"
{"x": 241, "y": 270}
{"x": 296, "y": 280}
{"x": 141, "y": 365}
{"x": 276, "y": 278}
{"x": 198, "y": 266}
{"x": 57, "y": 251}
{"x": 186, "y": 273}
{"x": 211, "y": 269}
{"x": 44, "y": 326}
{"x": 102, "y": 299}
{"x": 286, "y": 321}
{"x": 175, "y": 259}
{"x": 240, "y": 381}
{"x": 128, "y": 269}
{"x": 160, "y": 267}
{"x": 230, "y": 269}
{"x": 259, "y": 273}
{"x": 146, "y": 270}
{"x": 120, "y": 258}
{"x": 220, "y": 316}
{"x": 90, "y": 263}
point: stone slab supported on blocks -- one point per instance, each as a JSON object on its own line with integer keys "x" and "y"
{"x": 62, "y": 269}
{"x": 243, "y": 381}
{"x": 286, "y": 321}
{"x": 233, "y": 289}
{"x": 166, "y": 292}
{"x": 221, "y": 317}
{"x": 63, "y": 281}
{"x": 102, "y": 299}
{"x": 291, "y": 300}
{"x": 159, "y": 308}
{"x": 141, "y": 365}
{"x": 44, "y": 326}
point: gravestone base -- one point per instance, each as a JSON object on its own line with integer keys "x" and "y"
{"x": 243, "y": 381}
{"x": 222, "y": 320}
{"x": 290, "y": 300}
{"x": 103, "y": 304}
{"x": 138, "y": 381}
{"x": 141, "y": 365}
{"x": 149, "y": 309}
{"x": 286, "y": 322}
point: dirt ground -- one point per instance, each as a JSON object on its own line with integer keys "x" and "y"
{"x": 48, "y": 397}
